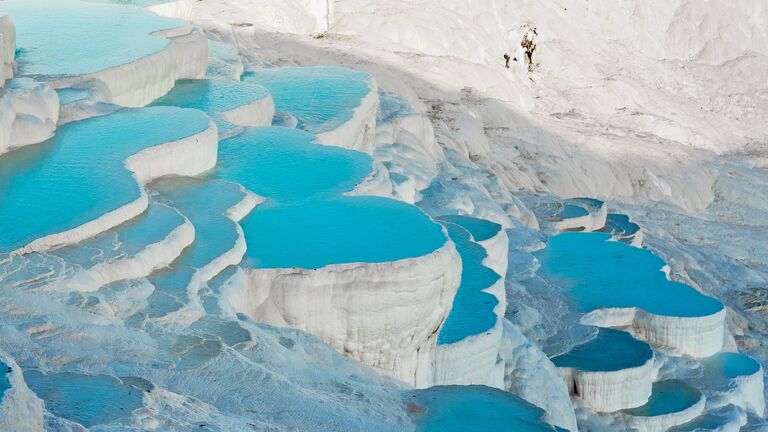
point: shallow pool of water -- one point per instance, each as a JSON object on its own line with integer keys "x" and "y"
{"x": 79, "y": 174}
{"x": 321, "y": 98}
{"x": 204, "y": 203}
{"x": 610, "y": 350}
{"x": 600, "y": 273}
{"x": 73, "y": 37}
{"x": 480, "y": 229}
{"x": 667, "y": 397}
{"x": 213, "y": 97}
{"x": 729, "y": 365}
{"x": 473, "y": 408}
{"x": 86, "y": 399}
{"x": 307, "y": 222}
{"x": 472, "y": 311}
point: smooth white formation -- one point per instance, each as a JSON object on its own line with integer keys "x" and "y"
{"x": 29, "y": 111}
{"x": 7, "y": 48}
{"x": 386, "y": 315}
{"x": 20, "y": 410}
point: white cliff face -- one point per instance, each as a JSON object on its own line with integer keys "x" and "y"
{"x": 7, "y": 47}
{"x": 29, "y": 111}
{"x": 694, "y": 336}
{"x": 530, "y": 374}
{"x": 383, "y": 314}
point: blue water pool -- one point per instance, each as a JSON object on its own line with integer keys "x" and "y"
{"x": 610, "y": 350}
{"x": 73, "y": 37}
{"x": 726, "y": 365}
{"x": 126, "y": 240}
{"x": 472, "y": 311}
{"x": 79, "y": 174}
{"x": 480, "y": 229}
{"x": 321, "y": 98}
{"x": 204, "y": 203}
{"x": 284, "y": 164}
{"x": 591, "y": 205}
{"x": 213, "y": 97}
{"x": 87, "y": 399}
{"x": 567, "y": 211}
{"x": 600, "y": 273}
{"x": 307, "y": 222}
{"x": 619, "y": 225}
{"x": 473, "y": 408}
{"x": 667, "y": 397}
{"x": 5, "y": 383}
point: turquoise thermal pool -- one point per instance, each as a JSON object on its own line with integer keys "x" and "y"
{"x": 307, "y": 222}
{"x": 79, "y": 174}
{"x": 88, "y": 399}
{"x": 728, "y": 365}
{"x": 620, "y": 226}
{"x": 472, "y": 312}
{"x": 480, "y": 229}
{"x": 213, "y": 97}
{"x": 667, "y": 397}
{"x": 447, "y": 408}
{"x": 600, "y": 273}
{"x": 50, "y": 35}
{"x": 204, "y": 203}
{"x": 321, "y": 98}
{"x": 611, "y": 350}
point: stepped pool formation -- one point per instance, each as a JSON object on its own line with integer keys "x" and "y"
{"x": 59, "y": 188}
{"x": 609, "y": 372}
{"x": 591, "y": 268}
{"x": 195, "y": 236}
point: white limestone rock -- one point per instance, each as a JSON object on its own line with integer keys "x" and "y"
{"x": 7, "y": 48}
{"x": 20, "y": 409}
{"x": 29, "y": 111}
{"x": 386, "y": 315}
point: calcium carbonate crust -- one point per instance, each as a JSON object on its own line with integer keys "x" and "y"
{"x": 386, "y": 315}
{"x": 29, "y": 111}
{"x": 694, "y": 336}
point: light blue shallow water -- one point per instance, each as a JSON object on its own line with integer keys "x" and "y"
{"x": 480, "y": 229}
{"x": 72, "y": 37}
{"x": 79, "y": 174}
{"x": 667, "y": 397}
{"x": 610, "y": 350}
{"x": 726, "y": 365}
{"x": 284, "y": 164}
{"x": 473, "y": 409}
{"x": 204, "y": 203}
{"x": 600, "y": 273}
{"x": 126, "y": 240}
{"x": 472, "y": 311}
{"x": 213, "y": 97}
{"x": 87, "y": 399}
{"x": 307, "y": 222}
{"x": 321, "y": 98}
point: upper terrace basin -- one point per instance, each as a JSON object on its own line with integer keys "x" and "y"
{"x": 228, "y": 102}
{"x": 73, "y": 37}
{"x": 600, "y": 273}
{"x": 321, "y": 98}
{"x": 80, "y": 174}
{"x": 307, "y": 222}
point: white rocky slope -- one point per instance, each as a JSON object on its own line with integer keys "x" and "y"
{"x": 608, "y": 99}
